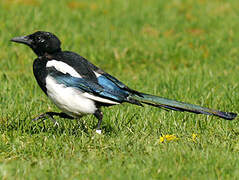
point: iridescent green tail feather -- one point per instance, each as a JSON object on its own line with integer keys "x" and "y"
{"x": 180, "y": 106}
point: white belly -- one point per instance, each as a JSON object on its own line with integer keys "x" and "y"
{"x": 68, "y": 99}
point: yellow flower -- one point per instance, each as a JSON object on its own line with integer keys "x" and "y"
{"x": 167, "y": 137}
{"x": 161, "y": 139}
{"x": 194, "y": 137}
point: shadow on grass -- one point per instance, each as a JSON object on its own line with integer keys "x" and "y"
{"x": 76, "y": 127}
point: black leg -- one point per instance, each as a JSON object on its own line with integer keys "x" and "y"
{"x": 51, "y": 114}
{"x": 99, "y": 115}
{"x": 64, "y": 115}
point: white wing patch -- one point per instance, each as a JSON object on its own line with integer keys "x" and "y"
{"x": 99, "y": 99}
{"x": 63, "y": 67}
{"x": 97, "y": 74}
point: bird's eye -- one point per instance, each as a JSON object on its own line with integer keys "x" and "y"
{"x": 40, "y": 40}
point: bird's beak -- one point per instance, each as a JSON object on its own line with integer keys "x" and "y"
{"x": 22, "y": 39}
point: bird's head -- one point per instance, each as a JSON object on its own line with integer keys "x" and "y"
{"x": 41, "y": 42}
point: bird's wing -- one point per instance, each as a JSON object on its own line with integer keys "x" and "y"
{"x": 97, "y": 71}
{"x": 77, "y": 63}
{"x": 103, "y": 90}
{"x": 86, "y": 69}
{"x": 78, "y": 72}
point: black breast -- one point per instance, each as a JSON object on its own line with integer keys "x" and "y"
{"x": 40, "y": 73}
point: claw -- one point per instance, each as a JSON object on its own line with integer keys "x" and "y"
{"x": 56, "y": 124}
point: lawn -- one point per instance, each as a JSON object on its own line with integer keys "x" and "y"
{"x": 181, "y": 49}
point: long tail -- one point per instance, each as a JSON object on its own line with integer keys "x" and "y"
{"x": 179, "y": 106}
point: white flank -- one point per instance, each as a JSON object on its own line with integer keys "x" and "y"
{"x": 63, "y": 67}
{"x": 69, "y": 99}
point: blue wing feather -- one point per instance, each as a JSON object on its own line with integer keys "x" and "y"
{"x": 111, "y": 90}
{"x": 105, "y": 87}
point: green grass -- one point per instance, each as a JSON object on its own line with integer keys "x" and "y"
{"x": 186, "y": 50}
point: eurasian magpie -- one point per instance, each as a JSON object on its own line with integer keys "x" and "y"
{"x": 78, "y": 87}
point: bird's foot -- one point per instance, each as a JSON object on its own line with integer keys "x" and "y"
{"x": 42, "y": 116}
{"x": 56, "y": 124}
{"x": 98, "y": 131}
{"x": 48, "y": 115}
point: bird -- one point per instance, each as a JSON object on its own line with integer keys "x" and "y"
{"x": 78, "y": 87}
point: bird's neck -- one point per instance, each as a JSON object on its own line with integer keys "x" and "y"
{"x": 49, "y": 55}
{"x": 40, "y": 53}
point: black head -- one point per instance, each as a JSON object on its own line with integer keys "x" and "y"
{"x": 41, "y": 42}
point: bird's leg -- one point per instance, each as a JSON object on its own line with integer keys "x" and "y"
{"x": 64, "y": 115}
{"x": 47, "y": 115}
{"x": 50, "y": 115}
{"x": 99, "y": 115}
